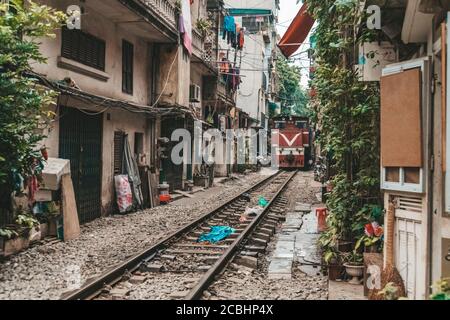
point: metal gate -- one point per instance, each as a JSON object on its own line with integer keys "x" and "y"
{"x": 80, "y": 141}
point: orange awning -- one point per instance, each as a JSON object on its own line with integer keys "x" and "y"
{"x": 297, "y": 32}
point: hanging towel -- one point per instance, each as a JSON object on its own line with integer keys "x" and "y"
{"x": 229, "y": 24}
{"x": 186, "y": 25}
{"x": 241, "y": 38}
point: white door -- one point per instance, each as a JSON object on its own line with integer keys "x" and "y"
{"x": 409, "y": 254}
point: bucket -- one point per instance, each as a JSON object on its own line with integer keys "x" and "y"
{"x": 164, "y": 193}
{"x": 321, "y": 214}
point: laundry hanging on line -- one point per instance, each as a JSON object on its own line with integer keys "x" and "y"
{"x": 233, "y": 33}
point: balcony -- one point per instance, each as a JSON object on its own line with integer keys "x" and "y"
{"x": 204, "y": 49}
{"x": 198, "y": 44}
{"x": 160, "y": 14}
{"x": 165, "y": 9}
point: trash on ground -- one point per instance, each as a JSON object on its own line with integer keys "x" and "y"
{"x": 263, "y": 202}
{"x": 217, "y": 233}
{"x": 253, "y": 212}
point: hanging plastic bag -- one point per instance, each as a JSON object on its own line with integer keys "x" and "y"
{"x": 123, "y": 193}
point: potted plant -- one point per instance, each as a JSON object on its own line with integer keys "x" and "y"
{"x": 354, "y": 266}
{"x": 13, "y": 239}
{"x": 372, "y": 237}
{"x": 203, "y": 26}
{"x": 333, "y": 260}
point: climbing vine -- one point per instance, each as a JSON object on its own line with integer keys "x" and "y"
{"x": 347, "y": 113}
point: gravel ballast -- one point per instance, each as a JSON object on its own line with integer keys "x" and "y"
{"x": 48, "y": 271}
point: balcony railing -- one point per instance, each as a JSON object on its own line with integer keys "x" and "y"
{"x": 164, "y": 9}
{"x": 198, "y": 42}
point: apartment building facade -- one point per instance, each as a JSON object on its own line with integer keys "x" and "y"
{"x": 130, "y": 72}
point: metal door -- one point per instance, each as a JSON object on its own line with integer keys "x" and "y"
{"x": 172, "y": 172}
{"x": 80, "y": 141}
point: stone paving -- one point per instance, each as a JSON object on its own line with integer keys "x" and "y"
{"x": 278, "y": 274}
{"x": 297, "y": 242}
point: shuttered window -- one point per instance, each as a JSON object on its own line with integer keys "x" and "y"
{"x": 119, "y": 137}
{"x": 84, "y": 48}
{"x": 127, "y": 67}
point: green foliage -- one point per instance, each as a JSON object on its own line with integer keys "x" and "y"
{"x": 442, "y": 290}
{"x": 203, "y": 25}
{"x": 353, "y": 258}
{"x": 390, "y": 292}
{"x": 347, "y": 111}
{"x": 22, "y": 101}
{"x": 8, "y": 233}
{"x": 290, "y": 93}
{"x": 26, "y": 220}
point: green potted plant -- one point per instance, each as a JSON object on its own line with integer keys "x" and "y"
{"x": 354, "y": 266}
{"x": 13, "y": 238}
{"x": 334, "y": 261}
{"x": 7, "y": 236}
{"x": 203, "y": 26}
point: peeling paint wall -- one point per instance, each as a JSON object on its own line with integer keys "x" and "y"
{"x": 113, "y": 34}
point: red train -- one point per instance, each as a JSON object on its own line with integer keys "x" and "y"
{"x": 292, "y": 138}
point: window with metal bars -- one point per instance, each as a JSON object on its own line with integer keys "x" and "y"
{"x": 84, "y": 48}
{"x": 127, "y": 67}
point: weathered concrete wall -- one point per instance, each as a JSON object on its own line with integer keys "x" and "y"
{"x": 249, "y": 93}
{"x": 119, "y": 120}
{"x": 129, "y": 123}
{"x": 94, "y": 23}
{"x": 198, "y": 10}
{"x": 175, "y": 64}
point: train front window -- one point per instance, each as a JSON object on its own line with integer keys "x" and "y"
{"x": 301, "y": 124}
{"x": 280, "y": 124}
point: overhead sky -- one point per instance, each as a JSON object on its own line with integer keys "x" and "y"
{"x": 287, "y": 13}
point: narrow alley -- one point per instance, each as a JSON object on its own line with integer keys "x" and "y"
{"x": 203, "y": 152}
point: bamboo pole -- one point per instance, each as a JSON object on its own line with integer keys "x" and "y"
{"x": 389, "y": 246}
{"x": 444, "y": 94}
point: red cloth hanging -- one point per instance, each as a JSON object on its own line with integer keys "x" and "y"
{"x": 297, "y": 32}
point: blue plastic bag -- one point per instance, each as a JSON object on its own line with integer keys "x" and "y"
{"x": 262, "y": 202}
{"x": 216, "y": 234}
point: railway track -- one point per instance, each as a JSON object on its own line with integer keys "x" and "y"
{"x": 179, "y": 267}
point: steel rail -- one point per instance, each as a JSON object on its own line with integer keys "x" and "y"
{"x": 220, "y": 264}
{"x": 93, "y": 288}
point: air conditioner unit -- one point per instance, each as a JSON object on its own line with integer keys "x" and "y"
{"x": 194, "y": 93}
